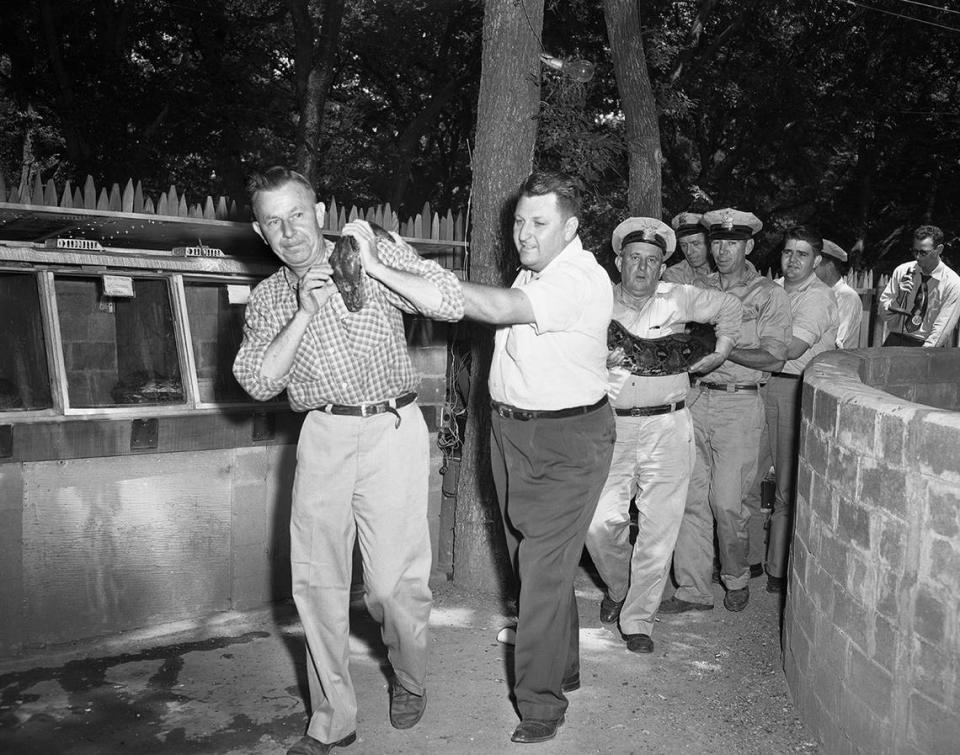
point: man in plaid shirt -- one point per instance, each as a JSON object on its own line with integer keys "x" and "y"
{"x": 363, "y": 453}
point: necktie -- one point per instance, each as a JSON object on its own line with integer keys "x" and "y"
{"x": 919, "y": 309}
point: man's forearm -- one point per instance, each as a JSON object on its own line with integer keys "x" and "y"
{"x": 421, "y": 292}
{"x": 757, "y": 359}
{"x": 279, "y": 356}
{"x": 495, "y": 305}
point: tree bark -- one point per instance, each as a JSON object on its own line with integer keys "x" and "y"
{"x": 314, "y": 73}
{"x": 506, "y": 132}
{"x": 639, "y": 107}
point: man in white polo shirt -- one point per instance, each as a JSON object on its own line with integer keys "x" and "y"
{"x": 552, "y": 433}
{"x": 654, "y": 454}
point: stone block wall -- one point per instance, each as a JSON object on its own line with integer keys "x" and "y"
{"x": 872, "y": 622}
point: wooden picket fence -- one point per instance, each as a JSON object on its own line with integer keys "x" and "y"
{"x": 425, "y": 225}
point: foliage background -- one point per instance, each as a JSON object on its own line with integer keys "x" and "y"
{"x": 819, "y": 111}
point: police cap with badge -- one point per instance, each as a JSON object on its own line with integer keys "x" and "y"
{"x": 646, "y": 230}
{"x": 730, "y": 223}
{"x": 688, "y": 224}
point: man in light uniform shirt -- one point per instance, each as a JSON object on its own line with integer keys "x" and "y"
{"x": 935, "y": 323}
{"x": 692, "y": 240}
{"x": 654, "y": 453}
{"x": 832, "y": 267}
{"x": 728, "y": 419}
{"x": 813, "y": 311}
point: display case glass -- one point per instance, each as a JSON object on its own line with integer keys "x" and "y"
{"x": 24, "y": 375}
{"x": 216, "y": 331}
{"x": 118, "y": 349}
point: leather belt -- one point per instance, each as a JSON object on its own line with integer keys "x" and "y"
{"x": 787, "y": 375}
{"x": 649, "y": 411}
{"x": 369, "y": 410}
{"x": 511, "y": 412}
{"x": 730, "y": 387}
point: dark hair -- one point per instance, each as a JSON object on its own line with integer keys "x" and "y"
{"x": 274, "y": 178}
{"x": 931, "y": 232}
{"x": 805, "y": 233}
{"x": 564, "y": 186}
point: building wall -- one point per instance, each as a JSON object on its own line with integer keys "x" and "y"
{"x": 98, "y": 538}
{"x": 872, "y": 622}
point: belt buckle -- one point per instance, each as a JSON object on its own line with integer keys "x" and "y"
{"x": 731, "y": 388}
{"x": 636, "y": 411}
{"x": 368, "y": 410}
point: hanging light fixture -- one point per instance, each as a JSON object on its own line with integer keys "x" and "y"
{"x": 577, "y": 69}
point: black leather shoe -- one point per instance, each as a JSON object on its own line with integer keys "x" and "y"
{"x": 776, "y": 584}
{"x": 673, "y": 604}
{"x": 531, "y": 730}
{"x": 310, "y": 746}
{"x": 570, "y": 683}
{"x": 639, "y": 643}
{"x": 736, "y": 600}
{"x": 406, "y": 708}
{"x": 610, "y": 610}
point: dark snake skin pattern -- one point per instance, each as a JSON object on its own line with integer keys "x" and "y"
{"x": 669, "y": 355}
{"x": 347, "y": 270}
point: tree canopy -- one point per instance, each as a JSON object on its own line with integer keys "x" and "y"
{"x": 839, "y": 114}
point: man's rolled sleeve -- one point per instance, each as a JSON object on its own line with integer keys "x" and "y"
{"x": 712, "y": 306}
{"x": 400, "y": 255}
{"x": 260, "y": 328}
{"x": 813, "y": 319}
{"x": 774, "y": 323}
{"x": 556, "y": 299}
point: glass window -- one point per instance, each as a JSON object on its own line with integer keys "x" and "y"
{"x": 24, "y": 379}
{"x": 216, "y": 329}
{"x": 118, "y": 350}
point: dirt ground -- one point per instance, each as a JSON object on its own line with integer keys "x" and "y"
{"x": 714, "y": 684}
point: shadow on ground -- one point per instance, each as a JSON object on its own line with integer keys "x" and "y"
{"x": 714, "y": 684}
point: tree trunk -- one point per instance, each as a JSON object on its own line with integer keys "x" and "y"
{"x": 506, "y": 132}
{"x": 314, "y": 73}
{"x": 639, "y": 107}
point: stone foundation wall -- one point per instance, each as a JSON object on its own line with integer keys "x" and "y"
{"x": 872, "y": 623}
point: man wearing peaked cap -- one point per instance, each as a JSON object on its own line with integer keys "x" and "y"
{"x": 832, "y": 267}
{"x": 695, "y": 247}
{"x": 727, "y": 418}
{"x": 654, "y": 451}
{"x": 646, "y": 230}
{"x": 729, "y": 223}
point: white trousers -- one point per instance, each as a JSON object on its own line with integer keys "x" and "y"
{"x": 653, "y": 459}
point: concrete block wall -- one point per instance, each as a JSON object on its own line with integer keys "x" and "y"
{"x": 872, "y": 621}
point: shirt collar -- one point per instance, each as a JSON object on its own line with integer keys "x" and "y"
{"x": 571, "y": 250}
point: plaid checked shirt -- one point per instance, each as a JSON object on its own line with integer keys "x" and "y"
{"x": 345, "y": 357}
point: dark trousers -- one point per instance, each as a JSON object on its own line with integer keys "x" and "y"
{"x": 548, "y": 474}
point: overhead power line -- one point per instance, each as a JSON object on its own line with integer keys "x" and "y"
{"x": 900, "y": 15}
{"x": 931, "y": 7}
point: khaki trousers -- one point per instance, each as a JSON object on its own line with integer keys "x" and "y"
{"x": 727, "y": 429}
{"x": 779, "y": 447}
{"x": 652, "y": 460}
{"x": 365, "y": 478}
